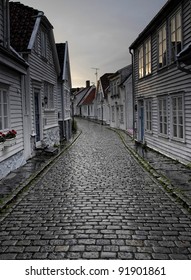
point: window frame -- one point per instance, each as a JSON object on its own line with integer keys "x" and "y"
{"x": 49, "y": 93}
{"x": 161, "y": 44}
{"x": 148, "y": 115}
{"x": 2, "y": 109}
{"x": 145, "y": 58}
{"x": 175, "y": 32}
{"x": 162, "y": 122}
{"x": 177, "y": 115}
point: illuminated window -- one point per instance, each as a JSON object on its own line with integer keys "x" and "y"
{"x": 176, "y": 35}
{"x": 144, "y": 54}
{"x": 162, "y": 47}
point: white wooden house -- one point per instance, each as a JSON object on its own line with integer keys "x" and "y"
{"x": 87, "y": 104}
{"x": 162, "y": 81}
{"x": 79, "y": 95}
{"x": 13, "y": 69}
{"x": 120, "y": 99}
{"x": 102, "y": 104}
{"x": 64, "y": 92}
{"x": 32, "y": 36}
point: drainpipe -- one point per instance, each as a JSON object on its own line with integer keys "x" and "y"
{"x": 133, "y": 90}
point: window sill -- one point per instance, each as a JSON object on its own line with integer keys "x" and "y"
{"x": 178, "y": 140}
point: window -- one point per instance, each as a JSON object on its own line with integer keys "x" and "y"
{"x": 176, "y": 35}
{"x": 141, "y": 73}
{"x": 177, "y": 117}
{"x": 144, "y": 54}
{"x": 113, "y": 113}
{"x": 121, "y": 114}
{"x": 43, "y": 44}
{"x": 163, "y": 118}
{"x": 162, "y": 47}
{"x": 148, "y": 57}
{"x": 49, "y": 96}
{"x": 4, "y": 119}
{"x": 148, "y": 113}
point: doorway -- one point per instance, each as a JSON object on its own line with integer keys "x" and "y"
{"x": 37, "y": 113}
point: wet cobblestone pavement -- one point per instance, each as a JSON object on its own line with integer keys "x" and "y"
{"x": 95, "y": 202}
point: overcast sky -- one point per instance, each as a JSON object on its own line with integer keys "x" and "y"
{"x": 99, "y": 32}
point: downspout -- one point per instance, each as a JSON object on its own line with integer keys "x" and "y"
{"x": 133, "y": 90}
{"x": 7, "y": 24}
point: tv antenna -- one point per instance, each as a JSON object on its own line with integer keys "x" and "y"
{"x": 96, "y": 74}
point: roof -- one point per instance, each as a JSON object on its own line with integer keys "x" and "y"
{"x": 124, "y": 73}
{"x": 61, "y": 55}
{"x": 156, "y": 21}
{"x": 22, "y": 21}
{"x": 105, "y": 81}
{"x": 90, "y": 97}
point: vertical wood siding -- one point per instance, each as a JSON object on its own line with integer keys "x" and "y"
{"x": 167, "y": 81}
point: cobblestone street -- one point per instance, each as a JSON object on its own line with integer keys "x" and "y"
{"x": 95, "y": 202}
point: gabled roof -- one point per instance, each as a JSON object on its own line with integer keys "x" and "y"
{"x": 105, "y": 81}
{"x": 90, "y": 97}
{"x": 61, "y": 55}
{"x": 156, "y": 21}
{"x": 24, "y": 25}
{"x": 123, "y": 73}
{"x": 22, "y": 21}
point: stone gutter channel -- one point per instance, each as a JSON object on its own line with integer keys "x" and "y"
{"x": 179, "y": 190}
{"x": 17, "y": 183}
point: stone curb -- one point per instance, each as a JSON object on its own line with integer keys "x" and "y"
{"x": 161, "y": 179}
{"x": 10, "y": 198}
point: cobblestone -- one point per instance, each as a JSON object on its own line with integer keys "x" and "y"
{"x": 95, "y": 202}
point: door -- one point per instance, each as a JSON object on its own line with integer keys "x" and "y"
{"x": 141, "y": 121}
{"x": 37, "y": 116}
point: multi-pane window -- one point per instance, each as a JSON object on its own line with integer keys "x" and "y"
{"x": 148, "y": 57}
{"x": 148, "y": 114}
{"x": 163, "y": 117}
{"x": 144, "y": 54}
{"x": 4, "y": 119}
{"x": 162, "y": 47}
{"x": 141, "y": 62}
{"x": 113, "y": 113}
{"x": 121, "y": 114}
{"x": 177, "y": 117}
{"x": 176, "y": 35}
{"x": 49, "y": 95}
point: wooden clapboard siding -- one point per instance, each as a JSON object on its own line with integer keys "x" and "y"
{"x": 167, "y": 81}
{"x": 43, "y": 70}
{"x": 12, "y": 81}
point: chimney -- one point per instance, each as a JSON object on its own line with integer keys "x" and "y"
{"x": 87, "y": 84}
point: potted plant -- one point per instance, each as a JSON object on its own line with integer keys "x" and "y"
{"x": 10, "y": 138}
{"x": 2, "y": 140}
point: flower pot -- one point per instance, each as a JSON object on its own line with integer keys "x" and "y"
{"x": 1, "y": 146}
{"x": 10, "y": 142}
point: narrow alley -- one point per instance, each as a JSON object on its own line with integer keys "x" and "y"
{"x": 95, "y": 202}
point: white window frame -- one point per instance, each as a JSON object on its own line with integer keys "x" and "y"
{"x": 141, "y": 62}
{"x": 3, "y": 105}
{"x": 177, "y": 117}
{"x": 145, "y": 59}
{"x": 162, "y": 47}
{"x": 49, "y": 94}
{"x": 148, "y": 115}
{"x": 175, "y": 35}
{"x": 121, "y": 114}
{"x": 163, "y": 116}
{"x": 113, "y": 113}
